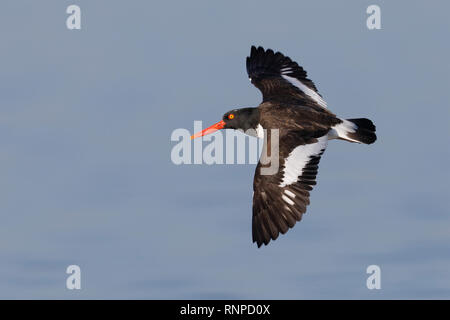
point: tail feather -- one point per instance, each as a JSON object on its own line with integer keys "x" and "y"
{"x": 360, "y": 130}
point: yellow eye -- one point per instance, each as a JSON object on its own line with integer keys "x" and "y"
{"x": 231, "y": 116}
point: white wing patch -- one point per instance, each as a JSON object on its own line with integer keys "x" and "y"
{"x": 342, "y": 130}
{"x": 298, "y": 158}
{"x": 287, "y": 200}
{"x": 289, "y": 193}
{"x": 304, "y": 88}
{"x": 260, "y": 131}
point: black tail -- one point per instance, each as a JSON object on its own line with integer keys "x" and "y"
{"x": 365, "y": 131}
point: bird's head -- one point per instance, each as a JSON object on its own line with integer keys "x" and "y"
{"x": 244, "y": 119}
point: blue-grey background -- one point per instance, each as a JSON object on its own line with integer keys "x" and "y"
{"x": 86, "y": 177}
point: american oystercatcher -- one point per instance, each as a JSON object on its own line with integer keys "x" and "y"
{"x": 293, "y": 106}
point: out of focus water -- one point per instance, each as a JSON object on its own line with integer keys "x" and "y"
{"x": 85, "y": 171}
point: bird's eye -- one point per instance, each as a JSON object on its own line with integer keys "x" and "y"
{"x": 231, "y": 116}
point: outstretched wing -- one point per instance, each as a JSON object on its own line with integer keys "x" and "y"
{"x": 280, "y": 79}
{"x": 280, "y": 200}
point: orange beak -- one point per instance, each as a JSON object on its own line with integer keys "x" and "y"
{"x": 219, "y": 125}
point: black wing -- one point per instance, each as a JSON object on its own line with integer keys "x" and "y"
{"x": 280, "y": 199}
{"x": 280, "y": 79}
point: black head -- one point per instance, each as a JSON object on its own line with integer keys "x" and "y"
{"x": 245, "y": 118}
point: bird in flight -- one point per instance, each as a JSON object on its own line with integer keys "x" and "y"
{"x": 293, "y": 106}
